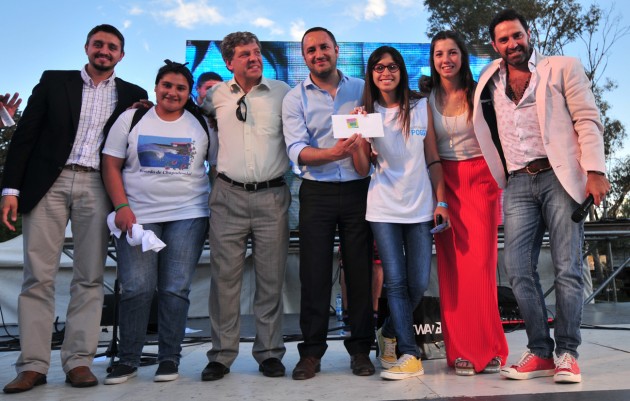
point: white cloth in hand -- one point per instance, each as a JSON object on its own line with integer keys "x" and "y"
{"x": 139, "y": 236}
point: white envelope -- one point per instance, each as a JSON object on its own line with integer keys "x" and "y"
{"x": 369, "y": 125}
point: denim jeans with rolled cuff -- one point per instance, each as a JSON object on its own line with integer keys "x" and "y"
{"x": 170, "y": 272}
{"x": 405, "y": 252}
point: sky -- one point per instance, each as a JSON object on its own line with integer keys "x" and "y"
{"x": 39, "y": 35}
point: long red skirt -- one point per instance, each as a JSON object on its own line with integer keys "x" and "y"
{"x": 467, "y": 263}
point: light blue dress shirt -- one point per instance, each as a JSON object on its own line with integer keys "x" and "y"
{"x": 306, "y": 119}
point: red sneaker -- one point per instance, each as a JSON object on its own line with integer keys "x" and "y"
{"x": 567, "y": 369}
{"x": 528, "y": 367}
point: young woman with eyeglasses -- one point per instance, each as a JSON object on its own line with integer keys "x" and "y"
{"x": 405, "y": 188}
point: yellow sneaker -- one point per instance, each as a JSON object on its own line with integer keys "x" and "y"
{"x": 407, "y": 366}
{"x": 386, "y": 350}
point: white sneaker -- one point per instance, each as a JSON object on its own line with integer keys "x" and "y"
{"x": 407, "y": 366}
{"x": 386, "y": 350}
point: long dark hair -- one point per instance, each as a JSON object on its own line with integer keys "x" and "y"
{"x": 405, "y": 96}
{"x": 179, "y": 68}
{"x": 466, "y": 80}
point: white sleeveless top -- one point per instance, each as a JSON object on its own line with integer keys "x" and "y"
{"x": 455, "y": 135}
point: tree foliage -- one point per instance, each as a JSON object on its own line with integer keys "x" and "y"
{"x": 554, "y": 24}
{"x": 6, "y": 134}
{"x": 614, "y": 130}
{"x": 602, "y": 29}
{"x": 619, "y": 177}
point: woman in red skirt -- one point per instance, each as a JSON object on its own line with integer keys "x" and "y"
{"x": 467, "y": 254}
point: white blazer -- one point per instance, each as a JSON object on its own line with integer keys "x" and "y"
{"x": 569, "y": 123}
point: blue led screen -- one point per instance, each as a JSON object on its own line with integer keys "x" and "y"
{"x": 283, "y": 60}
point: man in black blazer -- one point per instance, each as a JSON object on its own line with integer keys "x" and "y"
{"x": 51, "y": 176}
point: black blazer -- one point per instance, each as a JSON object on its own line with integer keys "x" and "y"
{"x": 46, "y": 131}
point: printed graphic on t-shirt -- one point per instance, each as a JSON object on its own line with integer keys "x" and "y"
{"x": 164, "y": 155}
{"x": 418, "y": 131}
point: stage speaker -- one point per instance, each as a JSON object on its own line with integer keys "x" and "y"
{"x": 508, "y": 307}
{"x": 427, "y": 326}
{"x": 109, "y": 306}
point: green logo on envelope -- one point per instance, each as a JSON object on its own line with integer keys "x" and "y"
{"x": 352, "y": 123}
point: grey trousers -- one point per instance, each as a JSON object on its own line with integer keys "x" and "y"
{"x": 236, "y": 214}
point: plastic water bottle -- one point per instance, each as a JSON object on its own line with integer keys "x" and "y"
{"x": 339, "y": 308}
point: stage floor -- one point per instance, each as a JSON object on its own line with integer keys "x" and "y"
{"x": 604, "y": 360}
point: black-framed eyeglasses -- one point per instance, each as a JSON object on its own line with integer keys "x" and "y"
{"x": 391, "y": 68}
{"x": 241, "y": 109}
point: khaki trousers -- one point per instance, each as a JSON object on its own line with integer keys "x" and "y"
{"x": 81, "y": 198}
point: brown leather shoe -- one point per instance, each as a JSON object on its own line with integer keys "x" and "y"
{"x": 81, "y": 376}
{"x": 306, "y": 368}
{"x": 361, "y": 365}
{"x": 25, "y": 381}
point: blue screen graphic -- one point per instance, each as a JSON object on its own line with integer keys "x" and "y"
{"x": 283, "y": 60}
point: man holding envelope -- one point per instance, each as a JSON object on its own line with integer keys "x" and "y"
{"x": 333, "y": 195}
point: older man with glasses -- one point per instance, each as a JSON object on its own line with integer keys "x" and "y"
{"x": 250, "y": 199}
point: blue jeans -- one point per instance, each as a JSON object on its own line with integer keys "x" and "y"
{"x": 405, "y": 252}
{"x": 532, "y": 204}
{"x": 170, "y": 271}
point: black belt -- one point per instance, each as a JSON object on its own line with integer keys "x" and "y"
{"x": 80, "y": 168}
{"x": 254, "y": 186}
{"x": 534, "y": 167}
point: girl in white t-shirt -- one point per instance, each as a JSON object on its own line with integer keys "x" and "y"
{"x": 401, "y": 203}
{"x": 155, "y": 176}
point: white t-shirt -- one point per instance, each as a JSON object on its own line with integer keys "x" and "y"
{"x": 400, "y": 190}
{"x": 164, "y": 174}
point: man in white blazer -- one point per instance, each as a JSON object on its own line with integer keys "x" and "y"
{"x": 539, "y": 130}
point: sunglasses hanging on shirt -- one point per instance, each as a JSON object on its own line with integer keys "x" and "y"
{"x": 241, "y": 109}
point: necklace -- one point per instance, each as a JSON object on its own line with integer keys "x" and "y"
{"x": 517, "y": 95}
{"x": 452, "y": 130}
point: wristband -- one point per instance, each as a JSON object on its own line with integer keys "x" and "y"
{"x": 443, "y": 204}
{"x": 433, "y": 162}
{"x": 120, "y": 206}
{"x": 597, "y": 172}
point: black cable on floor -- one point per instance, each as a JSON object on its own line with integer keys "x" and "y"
{"x": 4, "y": 326}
